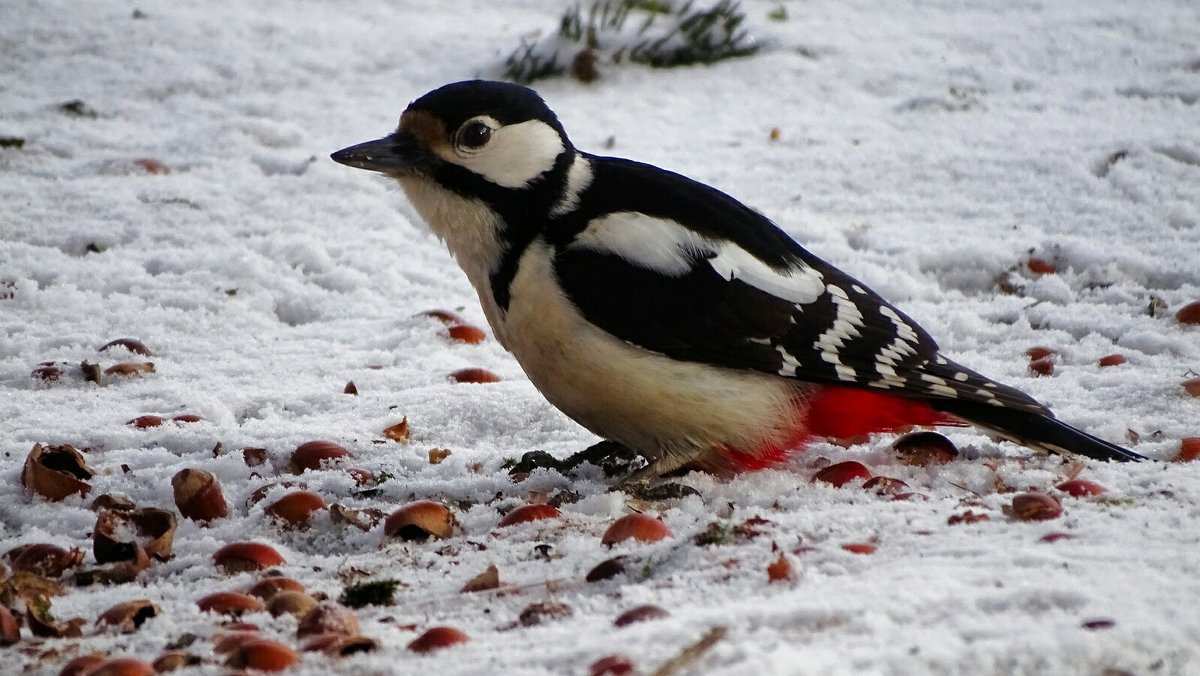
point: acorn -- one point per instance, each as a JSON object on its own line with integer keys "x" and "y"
{"x": 923, "y": 449}
{"x": 1035, "y": 507}
{"x": 328, "y": 618}
{"x": 1042, "y": 367}
{"x": 636, "y": 526}
{"x": 443, "y": 316}
{"x": 261, "y": 492}
{"x": 198, "y": 496}
{"x": 608, "y": 568}
{"x": 122, "y": 666}
{"x": 1080, "y": 488}
{"x": 237, "y": 557}
{"x": 173, "y": 660}
{"x": 294, "y": 603}
{"x": 466, "y": 333}
{"x": 437, "y": 638}
{"x": 296, "y": 509}
{"x": 46, "y": 560}
{"x": 128, "y": 617}
{"x": 270, "y": 586}
{"x": 1041, "y": 266}
{"x": 474, "y": 375}
{"x": 526, "y": 513}
{"x": 612, "y": 665}
{"x": 263, "y": 655}
{"x": 1189, "y": 449}
{"x": 419, "y": 520}
{"x": 130, "y": 368}
{"x": 340, "y": 645}
{"x": 842, "y": 473}
{"x": 83, "y": 664}
{"x": 312, "y": 455}
{"x": 54, "y": 472}
{"x": 132, "y": 344}
{"x": 143, "y": 422}
{"x": 130, "y": 535}
{"x": 1189, "y": 314}
{"x": 231, "y": 639}
{"x": 640, "y": 614}
{"x": 230, "y": 603}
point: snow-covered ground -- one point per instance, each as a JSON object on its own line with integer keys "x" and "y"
{"x": 928, "y": 148}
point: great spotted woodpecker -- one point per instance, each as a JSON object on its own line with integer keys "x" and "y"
{"x": 665, "y": 315}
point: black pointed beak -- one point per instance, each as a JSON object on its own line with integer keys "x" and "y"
{"x": 397, "y": 153}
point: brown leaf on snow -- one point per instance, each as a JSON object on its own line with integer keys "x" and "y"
{"x": 968, "y": 516}
{"x": 488, "y": 579}
{"x": 21, "y": 586}
{"x": 362, "y": 519}
{"x": 398, "y": 432}
{"x": 780, "y": 570}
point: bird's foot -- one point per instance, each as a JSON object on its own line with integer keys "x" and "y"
{"x": 610, "y": 457}
{"x": 656, "y": 492}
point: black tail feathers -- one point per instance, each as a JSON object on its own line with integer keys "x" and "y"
{"x": 1037, "y": 431}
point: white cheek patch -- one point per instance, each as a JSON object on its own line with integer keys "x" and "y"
{"x": 668, "y": 248}
{"x": 515, "y": 156}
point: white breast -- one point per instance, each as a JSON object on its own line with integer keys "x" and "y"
{"x": 647, "y": 401}
{"x": 469, "y": 229}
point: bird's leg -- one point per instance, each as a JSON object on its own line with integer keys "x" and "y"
{"x": 611, "y": 457}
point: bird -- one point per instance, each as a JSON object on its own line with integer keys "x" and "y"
{"x": 663, "y": 314}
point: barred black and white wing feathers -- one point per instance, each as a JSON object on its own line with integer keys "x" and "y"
{"x": 679, "y": 268}
{"x": 674, "y": 266}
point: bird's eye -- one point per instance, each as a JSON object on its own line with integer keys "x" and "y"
{"x": 474, "y": 135}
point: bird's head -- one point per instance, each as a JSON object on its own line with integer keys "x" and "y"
{"x": 475, "y": 137}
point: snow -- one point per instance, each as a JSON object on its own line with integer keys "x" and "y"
{"x": 927, "y": 148}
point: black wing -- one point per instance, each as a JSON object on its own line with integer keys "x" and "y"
{"x": 846, "y": 335}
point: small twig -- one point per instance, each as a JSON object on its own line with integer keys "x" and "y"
{"x": 964, "y": 488}
{"x": 691, "y": 653}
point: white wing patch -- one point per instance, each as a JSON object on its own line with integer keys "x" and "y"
{"x": 670, "y": 249}
{"x": 657, "y": 244}
{"x": 799, "y": 284}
